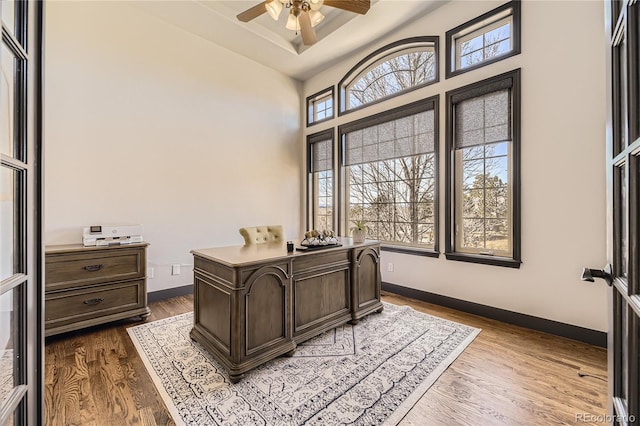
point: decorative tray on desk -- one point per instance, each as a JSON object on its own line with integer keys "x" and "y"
{"x": 317, "y": 247}
{"x": 318, "y": 240}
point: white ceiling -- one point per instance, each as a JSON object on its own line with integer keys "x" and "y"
{"x": 267, "y": 41}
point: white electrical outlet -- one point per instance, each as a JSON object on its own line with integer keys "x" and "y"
{"x": 175, "y": 269}
{"x": 390, "y": 267}
{"x": 149, "y": 272}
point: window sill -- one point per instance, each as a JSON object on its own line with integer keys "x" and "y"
{"x": 485, "y": 260}
{"x": 411, "y": 250}
{"x": 452, "y": 73}
{"x": 313, "y": 123}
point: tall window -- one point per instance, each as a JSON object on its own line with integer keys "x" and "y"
{"x": 321, "y": 180}
{"x": 483, "y": 40}
{"x": 394, "y": 69}
{"x": 389, "y": 168}
{"x": 483, "y": 220}
{"x": 320, "y": 107}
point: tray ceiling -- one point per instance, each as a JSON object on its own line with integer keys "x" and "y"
{"x": 268, "y": 42}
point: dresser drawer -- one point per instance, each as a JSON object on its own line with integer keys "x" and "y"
{"x": 72, "y": 306}
{"x": 67, "y": 270}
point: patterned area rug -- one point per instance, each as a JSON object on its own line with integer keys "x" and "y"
{"x": 368, "y": 374}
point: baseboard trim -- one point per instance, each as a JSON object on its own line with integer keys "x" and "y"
{"x": 581, "y": 334}
{"x": 168, "y": 293}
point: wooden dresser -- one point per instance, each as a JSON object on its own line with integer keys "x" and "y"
{"x": 86, "y": 286}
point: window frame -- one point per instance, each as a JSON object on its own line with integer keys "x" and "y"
{"x": 324, "y": 135}
{"x": 481, "y": 22}
{"x": 426, "y": 104}
{"x": 454, "y": 97}
{"x": 375, "y": 58}
{"x": 311, "y": 106}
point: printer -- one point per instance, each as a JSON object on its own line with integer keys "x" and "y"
{"x": 108, "y": 235}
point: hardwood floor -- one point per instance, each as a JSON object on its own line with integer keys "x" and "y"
{"x": 513, "y": 376}
{"x": 508, "y": 376}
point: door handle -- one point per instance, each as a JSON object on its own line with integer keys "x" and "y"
{"x": 606, "y": 274}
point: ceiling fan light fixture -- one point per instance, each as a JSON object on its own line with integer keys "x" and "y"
{"x": 315, "y": 5}
{"x": 292, "y": 23}
{"x": 316, "y": 17}
{"x": 274, "y": 7}
{"x": 303, "y": 14}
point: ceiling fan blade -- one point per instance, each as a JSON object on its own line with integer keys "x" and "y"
{"x": 253, "y": 12}
{"x": 357, "y": 6}
{"x": 308, "y": 33}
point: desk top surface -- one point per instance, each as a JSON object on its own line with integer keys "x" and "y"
{"x": 236, "y": 256}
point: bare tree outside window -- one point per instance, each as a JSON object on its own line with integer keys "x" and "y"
{"x": 485, "y": 44}
{"x": 323, "y": 200}
{"x": 488, "y": 38}
{"x": 484, "y": 198}
{"x": 392, "y": 76}
{"x": 395, "y": 198}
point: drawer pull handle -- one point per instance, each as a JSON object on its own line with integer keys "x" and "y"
{"x": 93, "y": 301}
{"x": 93, "y": 268}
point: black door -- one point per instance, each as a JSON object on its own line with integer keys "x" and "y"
{"x": 21, "y": 341}
{"x": 623, "y": 209}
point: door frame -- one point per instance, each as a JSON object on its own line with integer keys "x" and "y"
{"x": 622, "y": 27}
{"x": 24, "y": 39}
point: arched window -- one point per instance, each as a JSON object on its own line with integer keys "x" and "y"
{"x": 397, "y": 68}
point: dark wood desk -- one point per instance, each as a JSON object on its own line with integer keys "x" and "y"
{"x": 255, "y": 303}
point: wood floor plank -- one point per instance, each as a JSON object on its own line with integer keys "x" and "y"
{"x": 509, "y": 375}
{"x": 146, "y": 417}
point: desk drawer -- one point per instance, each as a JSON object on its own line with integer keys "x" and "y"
{"x": 68, "y": 270}
{"x": 320, "y": 259}
{"x": 78, "y": 305}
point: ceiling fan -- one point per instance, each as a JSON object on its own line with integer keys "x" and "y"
{"x": 303, "y": 14}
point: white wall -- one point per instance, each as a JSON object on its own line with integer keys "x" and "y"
{"x": 146, "y": 123}
{"x": 563, "y": 163}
